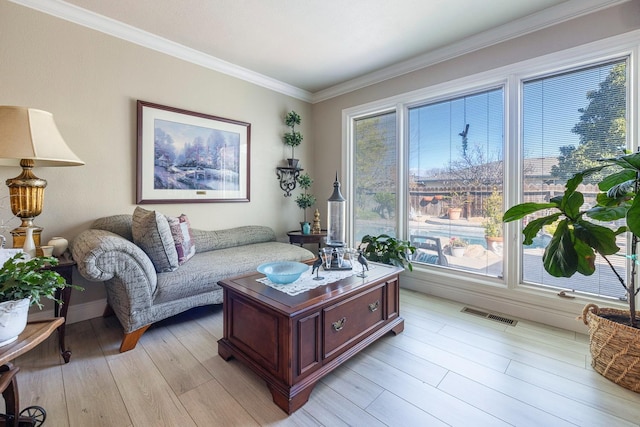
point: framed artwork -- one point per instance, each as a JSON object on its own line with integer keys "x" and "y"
{"x": 189, "y": 157}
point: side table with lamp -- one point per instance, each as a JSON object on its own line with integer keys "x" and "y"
{"x": 30, "y": 138}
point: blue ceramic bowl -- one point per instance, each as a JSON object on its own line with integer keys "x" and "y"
{"x": 283, "y": 272}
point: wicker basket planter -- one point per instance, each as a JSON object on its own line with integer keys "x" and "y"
{"x": 615, "y": 348}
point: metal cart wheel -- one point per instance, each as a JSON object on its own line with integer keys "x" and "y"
{"x": 35, "y": 413}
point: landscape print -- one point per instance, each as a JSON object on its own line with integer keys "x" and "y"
{"x": 189, "y": 157}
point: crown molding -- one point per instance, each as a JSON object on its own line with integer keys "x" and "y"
{"x": 94, "y": 21}
{"x": 554, "y": 15}
{"x": 529, "y": 24}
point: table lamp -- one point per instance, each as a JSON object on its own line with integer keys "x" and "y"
{"x": 29, "y": 138}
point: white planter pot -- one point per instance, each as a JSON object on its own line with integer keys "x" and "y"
{"x": 457, "y": 252}
{"x": 13, "y": 319}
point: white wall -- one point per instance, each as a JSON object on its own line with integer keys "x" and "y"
{"x": 90, "y": 82}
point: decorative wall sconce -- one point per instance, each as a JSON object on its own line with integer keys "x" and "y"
{"x": 288, "y": 178}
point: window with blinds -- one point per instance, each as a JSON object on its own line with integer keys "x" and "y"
{"x": 456, "y": 174}
{"x": 568, "y": 122}
{"x": 375, "y": 175}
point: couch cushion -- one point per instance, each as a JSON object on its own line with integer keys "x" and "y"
{"x": 181, "y": 233}
{"x": 209, "y": 240}
{"x": 205, "y": 269}
{"x": 151, "y": 232}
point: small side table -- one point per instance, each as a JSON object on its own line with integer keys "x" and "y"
{"x": 34, "y": 334}
{"x": 65, "y": 269}
{"x": 301, "y": 239}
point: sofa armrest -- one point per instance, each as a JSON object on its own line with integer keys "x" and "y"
{"x": 102, "y": 256}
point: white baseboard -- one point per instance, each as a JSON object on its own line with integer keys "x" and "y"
{"x": 77, "y": 312}
{"x": 530, "y": 304}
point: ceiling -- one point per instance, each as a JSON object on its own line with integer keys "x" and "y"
{"x": 315, "y": 49}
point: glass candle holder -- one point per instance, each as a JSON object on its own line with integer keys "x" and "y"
{"x": 336, "y": 208}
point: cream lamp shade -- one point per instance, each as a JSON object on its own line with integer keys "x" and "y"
{"x": 29, "y": 138}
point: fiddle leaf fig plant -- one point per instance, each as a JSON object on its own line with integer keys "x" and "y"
{"x": 577, "y": 239}
{"x": 388, "y": 250}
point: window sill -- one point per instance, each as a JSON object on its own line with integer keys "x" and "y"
{"x": 524, "y": 301}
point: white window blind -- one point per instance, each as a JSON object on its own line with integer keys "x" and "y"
{"x": 569, "y": 121}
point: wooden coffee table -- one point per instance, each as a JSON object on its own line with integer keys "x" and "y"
{"x": 293, "y": 341}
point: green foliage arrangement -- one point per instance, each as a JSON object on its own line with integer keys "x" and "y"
{"x": 386, "y": 202}
{"x": 387, "y": 250}
{"x": 30, "y": 279}
{"x": 577, "y": 238}
{"x": 493, "y": 215}
{"x": 305, "y": 200}
{"x": 371, "y": 139}
{"x": 457, "y": 242}
{"x": 292, "y": 138}
{"x": 458, "y": 199}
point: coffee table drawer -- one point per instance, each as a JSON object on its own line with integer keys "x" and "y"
{"x": 345, "y": 322}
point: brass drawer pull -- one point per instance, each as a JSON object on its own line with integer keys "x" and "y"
{"x": 373, "y": 307}
{"x": 339, "y": 324}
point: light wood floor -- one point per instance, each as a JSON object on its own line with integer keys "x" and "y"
{"x": 446, "y": 368}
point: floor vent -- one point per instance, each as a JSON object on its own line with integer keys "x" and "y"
{"x": 490, "y": 316}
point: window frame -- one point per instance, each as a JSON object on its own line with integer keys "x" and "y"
{"x": 629, "y": 144}
{"x": 467, "y": 91}
{"x": 511, "y": 78}
{"x": 351, "y": 216}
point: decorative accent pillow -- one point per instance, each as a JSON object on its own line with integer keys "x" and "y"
{"x": 181, "y": 232}
{"x": 151, "y": 232}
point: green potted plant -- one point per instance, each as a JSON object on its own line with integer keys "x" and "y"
{"x": 457, "y": 201}
{"x": 492, "y": 222}
{"x": 305, "y": 200}
{"x": 614, "y": 334}
{"x": 293, "y": 138}
{"x": 387, "y": 250}
{"x": 24, "y": 283}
